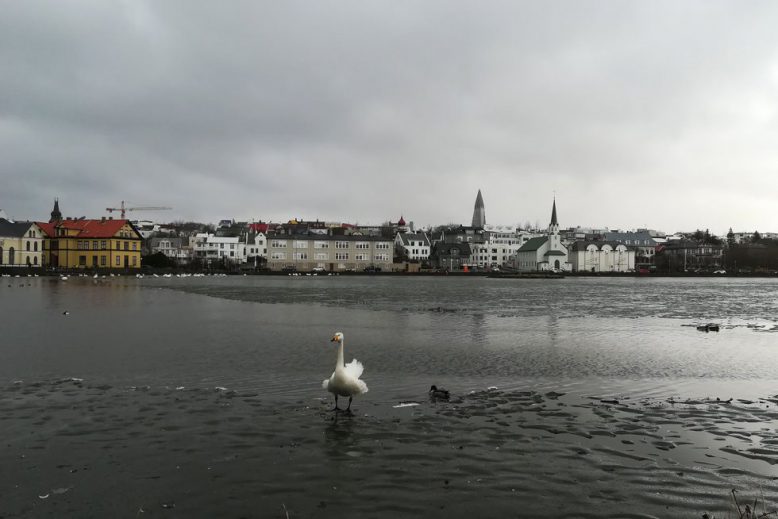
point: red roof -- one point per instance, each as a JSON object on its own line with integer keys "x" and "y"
{"x": 89, "y": 228}
{"x": 259, "y": 227}
{"x": 401, "y": 222}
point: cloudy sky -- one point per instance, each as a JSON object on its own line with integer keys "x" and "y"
{"x": 650, "y": 113}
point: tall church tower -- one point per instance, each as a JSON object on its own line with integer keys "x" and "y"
{"x": 56, "y": 216}
{"x": 553, "y": 227}
{"x": 479, "y": 213}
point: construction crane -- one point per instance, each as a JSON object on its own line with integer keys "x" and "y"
{"x": 124, "y": 209}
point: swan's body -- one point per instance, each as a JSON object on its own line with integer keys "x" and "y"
{"x": 345, "y": 381}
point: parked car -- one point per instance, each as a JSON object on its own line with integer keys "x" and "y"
{"x": 317, "y": 269}
{"x": 372, "y": 268}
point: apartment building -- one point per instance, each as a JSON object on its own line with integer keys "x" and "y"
{"x": 329, "y": 253}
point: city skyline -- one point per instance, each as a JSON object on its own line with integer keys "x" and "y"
{"x": 657, "y": 115}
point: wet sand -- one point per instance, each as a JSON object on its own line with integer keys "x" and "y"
{"x": 77, "y": 448}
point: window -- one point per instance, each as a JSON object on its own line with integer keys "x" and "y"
{"x": 36, "y": 246}
{"x": 94, "y": 245}
{"x": 382, "y": 257}
{"x": 341, "y": 245}
{"x": 321, "y": 256}
{"x": 382, "y": 245}
{"x": 300, "y": 244}
{"x": 232, "y": 254}
{"x": 321, "y": 245}
{"x": 118, "y": 260}
{"x": 362, "y": 245}
{"x": 361, "y": 257}
{"x": 103, "y": 260}
{"x": 221, "y": 245}
{"x": 278, "y": 243}
{"x": 82, "y": 261}
{"x": 232, "y": 246}
{"x": 126, "y": 245}
{"x": 301, "y": 255}
{"x": 341, "y": 255}
{"x": 103, "y": 245}
{"x": 28, "y": 246}
{"x": 278, "y": 255}
{"x": 134, "y": 245}
{"x": 35, "y": 260}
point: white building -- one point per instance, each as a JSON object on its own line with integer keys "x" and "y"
{"x": 544, "y": 253}
{"x": 217, "y": 249}
{"x": 415, "y": 246}
{"x": 256, "y": 248}
{"x": 500, "y": 246}
{"x": 589, "y": 256}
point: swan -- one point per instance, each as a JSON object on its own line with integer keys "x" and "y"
{"x": 345, "y": 379}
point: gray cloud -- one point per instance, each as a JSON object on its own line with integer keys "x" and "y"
{"x": 635, "y": 113}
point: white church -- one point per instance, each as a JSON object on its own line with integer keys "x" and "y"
{"x": 544, "y": 253}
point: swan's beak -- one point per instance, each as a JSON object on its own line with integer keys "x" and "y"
{"x": 334, "y": 339}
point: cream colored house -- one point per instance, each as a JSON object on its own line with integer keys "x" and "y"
{"x": 21, "y": 244}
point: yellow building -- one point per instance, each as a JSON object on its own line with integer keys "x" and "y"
{"x": 89, "y": 244}
{"x": 21, "y": 244}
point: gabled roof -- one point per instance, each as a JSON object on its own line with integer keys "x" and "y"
{"x": 14, "y": 229}
{"x": 87, "y": 228}
{"x": 533, "y": 244}
{"x": 406, "y": 238}
{"x": 554, "y": 253}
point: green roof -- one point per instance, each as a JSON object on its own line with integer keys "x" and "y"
{"x": 533, "y": 244}
{"x": 554, "y": 253}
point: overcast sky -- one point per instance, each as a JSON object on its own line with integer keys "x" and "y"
{"x": 650, "y": 113}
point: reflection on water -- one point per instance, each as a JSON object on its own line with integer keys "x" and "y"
{"x": 271, "y": 333}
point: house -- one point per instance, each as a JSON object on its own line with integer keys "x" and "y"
{"x": 333, "y": 253}
{"x": 21, "y": 244}
{"x": 450, "y": 256}
{"x": 172, "y": 247}
{"x": 499, "y": 246}
{"x": 82, "y": 243}
{"x": 688, "y": 255}
{"x": 545, "y": 252}
{"x": 601, "y": 256}
{"x": 642, "y": 241}
{"x": 215, "y": 251}
{"x": 412, "y": 246}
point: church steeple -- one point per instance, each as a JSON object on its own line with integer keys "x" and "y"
{"x": 479, "y": 212}
{"x": 56, "y": 216}
{"x": 553, "y": 227}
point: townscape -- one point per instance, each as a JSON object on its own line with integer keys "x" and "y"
{"x": 77, "y": 243}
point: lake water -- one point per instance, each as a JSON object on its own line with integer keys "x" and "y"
{"x": 577, "y": 397}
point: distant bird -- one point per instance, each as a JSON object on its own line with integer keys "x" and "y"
{"x": 344, "y": 381}
{"x": 65, "y": 313}
{"x": 438, "y": 394}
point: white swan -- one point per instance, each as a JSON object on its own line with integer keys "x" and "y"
{"x": 345, "y": 379}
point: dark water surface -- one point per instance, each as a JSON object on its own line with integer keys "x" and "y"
{"x": 579, "y": 397}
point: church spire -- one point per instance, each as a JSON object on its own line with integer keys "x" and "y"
{"x": 56, "y": 216}
{"x": 479, "y": 212}
{"x": 553, "y": 227}
{"x": 553, "y": 214}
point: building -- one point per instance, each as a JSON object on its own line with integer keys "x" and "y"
{"x": 642, "y": 241}
{"x": 479, "y": 212}
{"x": 690, "y": 255}
{"x": 307, "y": 252}
{"x": 217, "y": 251}
{"x": 21, "y": 244}
{"x": 601, "y": 256}
{"x": 172, "y": 247}
{"x": 82, "y": 243}
{"x": 450, "y": 256}
{"x": 544, "y": 253}
{"x": 412, "y": 246}
{"x": 499, "y": 246}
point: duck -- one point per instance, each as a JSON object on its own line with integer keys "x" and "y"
{"x": 345, "y": 381}
{"x": 439, "y": 393}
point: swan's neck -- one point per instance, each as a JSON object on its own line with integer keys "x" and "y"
{"x": 340, "y": 363}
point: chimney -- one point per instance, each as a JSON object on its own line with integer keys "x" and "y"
{"x": 103, "y": 218}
